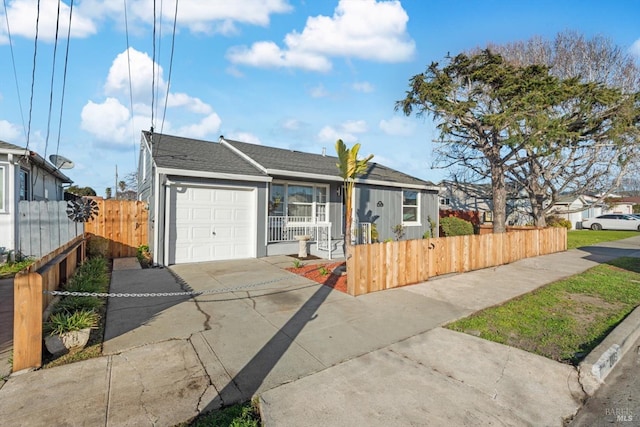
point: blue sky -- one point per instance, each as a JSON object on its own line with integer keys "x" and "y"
{"x": 285, "y": 73}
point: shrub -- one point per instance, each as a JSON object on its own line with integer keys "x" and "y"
{"x": 452, "y": 226}
{"x": 97, "y": 247}
{"x": 555, "y": 221}
{"x": 71, "y": 304}
{"x": 399, "y": 231}
{"x": 63, "y": 321}
{"x": 90, "y": 277}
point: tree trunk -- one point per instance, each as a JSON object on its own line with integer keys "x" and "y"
{"x": 499, "y": 191}
{"x": 537, "y": 211}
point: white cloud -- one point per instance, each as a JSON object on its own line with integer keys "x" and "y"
{"x": 364, "y": 87}
{"x": 398, "y": 126}
{"x": 193, "y": 104}
{"x": 198, "y": 16}
{"x": 635, "y": 49}
{"x": 111, "y": 123}
{"x": 9, "y": 132}
{"x": 142, "y": 69}
{"x": 364, "y": 29}
{"x": 318, "y": 92}
{"x": 245, "y": 137}
{"x": 291, "y": 124}
{"x": 206, "y": 127}
{"x": 22, "y": 15}
{"x": 354, "y": 126}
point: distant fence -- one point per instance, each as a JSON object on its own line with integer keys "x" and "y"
{"x": 389, "y": 265}
{"x": 43, "y": 226}
{"x": 29, "y": 302}
{"x": 123, "y": 222}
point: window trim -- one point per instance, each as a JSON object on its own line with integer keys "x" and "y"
{"x": 417, "y": 206}
{"x": 314, "y": 203}
{"x": 3, "y": 185}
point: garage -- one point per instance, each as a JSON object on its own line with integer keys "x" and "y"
{"x": 211, "y": 224}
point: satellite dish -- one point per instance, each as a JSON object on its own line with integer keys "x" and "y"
{"x": 61, "y": 162}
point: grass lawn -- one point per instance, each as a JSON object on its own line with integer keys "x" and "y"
{"x": 565, "y": 320}
{"x": 578, "y": 238}
{"x": 240, "y": 415}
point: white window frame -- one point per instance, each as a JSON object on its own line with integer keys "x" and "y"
{"x": 314, "y": 203}
{"x": 416, "y": 206}
{"x": 3, "y": 187}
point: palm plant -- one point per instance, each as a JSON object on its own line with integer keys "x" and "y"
{"x": 350, "y": 168}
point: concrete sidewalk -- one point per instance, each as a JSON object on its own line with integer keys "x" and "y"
{"x": 316, "y": 356}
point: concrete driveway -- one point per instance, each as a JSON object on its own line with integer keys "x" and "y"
{"x": 283, "y": 328}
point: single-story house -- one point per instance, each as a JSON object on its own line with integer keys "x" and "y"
{"x": 464, "y": 196}
{"x": 232, "y": 200}
{"x": 621, "y": 204}
{"x": 575, "y": 208}
{"x": 24, "y": 175}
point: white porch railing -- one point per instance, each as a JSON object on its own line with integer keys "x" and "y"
{"x": 285, "y": 228}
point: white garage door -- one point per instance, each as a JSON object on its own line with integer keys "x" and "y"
{"x": 209, "y": 224}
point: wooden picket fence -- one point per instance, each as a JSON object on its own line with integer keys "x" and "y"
{"x": 29, "y": 301}
{"x": 123, "y": 222}
{"x": 389, "y": 265}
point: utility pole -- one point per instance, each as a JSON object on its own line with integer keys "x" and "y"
{"x": 116, "y": 183}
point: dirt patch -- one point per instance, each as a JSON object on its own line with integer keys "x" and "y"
{"x": 323, "y": 274}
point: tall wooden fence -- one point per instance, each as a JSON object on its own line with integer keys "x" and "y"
{"x": 389, "y": 265}
{"x": 43, "y": 226}
{"x": 123, "y": 223}
{"x": 29, "y": 301}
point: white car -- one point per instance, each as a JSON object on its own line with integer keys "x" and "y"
{"x": 612, "y": 222}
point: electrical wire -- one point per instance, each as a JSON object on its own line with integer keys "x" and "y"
{"x": 64, "y": 76}
{"x": 153, "y": 66}
{"x": 133, "y": 131}
{"x": 173, "y": 42}
{"x": 159, "y": 58}
{"x": 33, "y": 76}
{"x": 15, "y": 72}
{"x": 53, "y": 75}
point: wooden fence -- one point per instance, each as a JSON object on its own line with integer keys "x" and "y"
{"x": 44, "y": 226}
{"x": 29, "y": 302}
{"x": 124, "y": 223}
{"x": 389, "y": 265}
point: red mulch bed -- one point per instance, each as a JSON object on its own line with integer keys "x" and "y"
{"x": 312, "y": 271}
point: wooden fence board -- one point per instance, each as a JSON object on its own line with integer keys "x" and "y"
{"x": 123, "y": 223}
{"x": 388, "y": 265}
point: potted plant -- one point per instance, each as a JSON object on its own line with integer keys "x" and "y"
{"x": 69, "y": 331}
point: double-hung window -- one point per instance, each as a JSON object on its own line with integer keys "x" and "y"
{"x": 410, "y": 207}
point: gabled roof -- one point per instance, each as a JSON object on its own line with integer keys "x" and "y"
{"x": 241, "y": 158}
{"x": 36, "y": 159}
{"x": 292, "y": 163}
{"x": 174, "y": 152}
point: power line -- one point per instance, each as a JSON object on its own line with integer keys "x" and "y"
{"x": 159, "y": 58}
{"x": 153, "y": 66}
{"x": 64, "y": 76}
{"x": 53, "y": 74}
{"x": 173, "y": 42}
{"x": 33, "y": 74}
{"x": 15, "y": 73}
{"x": 133, "y": 131}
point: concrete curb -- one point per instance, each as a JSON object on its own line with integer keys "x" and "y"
{"x": 593, "y": 370}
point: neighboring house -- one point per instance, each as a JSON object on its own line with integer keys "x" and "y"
{"x": 232, "y": 200}
{"x": 620, "y": 205}
{"x": 24, "y": 175}
{"x": 575, "y": 208}
{"x": 463, "y": 196}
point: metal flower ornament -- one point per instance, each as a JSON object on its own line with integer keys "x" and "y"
{"x": 82, "y": 210}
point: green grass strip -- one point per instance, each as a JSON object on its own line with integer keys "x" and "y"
{"x": 579, "y": 238}
{"x": 564, "y": 320}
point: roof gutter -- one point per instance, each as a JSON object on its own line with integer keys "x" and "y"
{"x": 215, "y": 175}
{"x": 35, "y": 157}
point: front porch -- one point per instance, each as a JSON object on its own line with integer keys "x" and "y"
{"x": 282, "y": 232}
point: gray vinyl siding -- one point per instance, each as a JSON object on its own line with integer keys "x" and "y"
{"x": 382, "y": 206}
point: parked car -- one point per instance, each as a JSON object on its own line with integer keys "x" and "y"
{"x": 612, "y": 222}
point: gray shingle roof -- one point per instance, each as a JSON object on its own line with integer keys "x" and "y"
{"x": 7, "y": 146}
{"x": 195, "y": 155}
{"x": 296, "y": 161}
